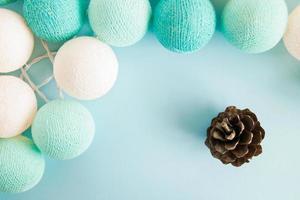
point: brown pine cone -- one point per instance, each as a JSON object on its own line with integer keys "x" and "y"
{"x": 234, "y": 136}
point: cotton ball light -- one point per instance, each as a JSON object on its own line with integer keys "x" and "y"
{"x": 292, "y": 35}
{"x": 22, "y": 165}
{"x": 184, "y": 26}
{"x": 54, "y": 21}
{"x": 254, "y": 26}
{"x": 63, "y": 129}
{"x": 4, "y": 2}
{"x": 18, "y": 106}
{"x": 16, "y": 41}
{"x": 85, "y": 68}
{"x": 120, "y": 22}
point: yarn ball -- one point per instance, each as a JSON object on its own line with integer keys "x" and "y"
{"x": 184, "y": 26}
{"x": 16, "y": 41}
{"x": 254, "y": 26}
{"x": 292, "y": 35}
{"x": 63, "y": 129}
{"x": 85, "y": 68}
{"x": 54, "y": 21}
{"x": 22, "y": 165}
{"x": 120, "y": 22}
{"x": 18, "y": 106}
{"x": 4, "y": 2}
{"x": 85, "y": 5}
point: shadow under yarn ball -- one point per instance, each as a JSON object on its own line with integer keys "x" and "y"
{"x": 22, "y": 165}
{"x": 54, "y": 21}
{"x": 184, "y": 26}
{"x": 4, "y": 2}
{"x": 254, "y": 26}
{"x": 120, "y": 23}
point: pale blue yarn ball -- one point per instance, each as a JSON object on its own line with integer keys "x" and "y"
{"x": 184, "y": 26}
{"x": 63, "y": 129}
{"x": 119, "y": 22}
{"x": 54, "y": 20}
{"x": 21, "y": 165}
{"x": 254, "y": 26}
{"x": 4, "y": 2}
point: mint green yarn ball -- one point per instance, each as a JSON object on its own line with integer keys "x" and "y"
{"x": 63, "y": 129}
{"x": 254, "y": 26}
{"x": 184, "y": 26}
{"x": 21, "y": 165}
{"x": 54, "y": 20}
{"x": 4, "y": 2}
{"x": 119, "y": 23}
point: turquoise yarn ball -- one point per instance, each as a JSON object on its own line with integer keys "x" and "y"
{"x": 254, "y": 26}
{"x": 119, "y": 22}
{"x": 184, "y": 26}
{"x": 63, "y": 129}
{"x": 54, "y": 21}
{"x": 85, "y": 5}
{"x": 21, "y": 165}
{"x": 4, "y": 2}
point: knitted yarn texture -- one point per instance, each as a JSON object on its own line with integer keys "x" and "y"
{"x": 63, "y": 129}
{"x": 85, "y": 68}
{"x": 184, "y": 26}
{"x": 120, "y": 22}
{"x": 292, "y": 35}
{"x": 4, "y": 2}
{"x": 21, "y": 165}
{"x": 54, "y": 21}
{"x": 16, "y": 41}
{"x": 254, "y": 26}
{"x": 18, "y": 106}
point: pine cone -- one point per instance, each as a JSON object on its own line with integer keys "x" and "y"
{"x": 234, "y": 136}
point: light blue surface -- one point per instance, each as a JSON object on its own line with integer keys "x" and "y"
{"x": 149, "y": 143}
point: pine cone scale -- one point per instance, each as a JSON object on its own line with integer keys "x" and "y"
{"x": 257, "y": 138}
{"x": 240, "y": 151}
{"x": 251, "y": 153}
{"x": 258, "y": 150}
{"x": 246, "y": 137}
{"x": 231, "y": 145}
{"x": 248, "y": 122}
{"x": 217, "y": 134}
{"x": 220, "y": 148}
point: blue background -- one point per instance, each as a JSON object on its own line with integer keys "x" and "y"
{"x": 151, "y": 127}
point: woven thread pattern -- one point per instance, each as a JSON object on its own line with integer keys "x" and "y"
{"x": 120, "y": 22}
{"x": 4, "y": 2}
{"x": 21, "y": 164}
{"x": 63, "y": 129}
{"x": 54, "y": 21}
{"x": 254, "y": 26}
{"x": 292, "y": 35}
{"x": 184, "y": 26}
{"x": 18, "y": 106}
{"x": 16, "y": 41}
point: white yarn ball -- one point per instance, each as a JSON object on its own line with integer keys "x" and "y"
{"x": 18, "y": 106}
{"x": 85, "y": 68}
{"x": 292, "y": 35}
{"x": 16, "y": 41}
